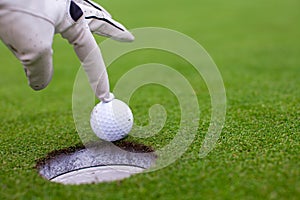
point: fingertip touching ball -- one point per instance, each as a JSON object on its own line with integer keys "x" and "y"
{"x": 111, "y": 121}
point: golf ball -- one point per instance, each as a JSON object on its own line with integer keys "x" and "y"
{"x": 111, "y": 121}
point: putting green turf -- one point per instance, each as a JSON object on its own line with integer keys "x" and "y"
{"x": 256, "y": 46}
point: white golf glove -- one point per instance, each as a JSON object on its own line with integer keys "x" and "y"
{"x": 27, "y": 29}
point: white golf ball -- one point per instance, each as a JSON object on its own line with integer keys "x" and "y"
{"x": 111, "y": 121}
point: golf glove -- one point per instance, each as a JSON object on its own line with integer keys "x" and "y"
{"x": 28, "y": 27}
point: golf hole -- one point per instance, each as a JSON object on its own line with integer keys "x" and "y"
{"x": 96, "y": 163}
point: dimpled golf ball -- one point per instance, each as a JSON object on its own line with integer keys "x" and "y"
{"x": 111, "y": 121}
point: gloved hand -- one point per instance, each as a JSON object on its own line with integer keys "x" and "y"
{"x": 30, "y": 37}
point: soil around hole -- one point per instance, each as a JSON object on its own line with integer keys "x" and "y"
{"x": 125, "y": 145}
{"x": 134, "y": 147}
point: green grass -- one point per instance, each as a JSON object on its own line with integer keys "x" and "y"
{"x": 256, "y": 46}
